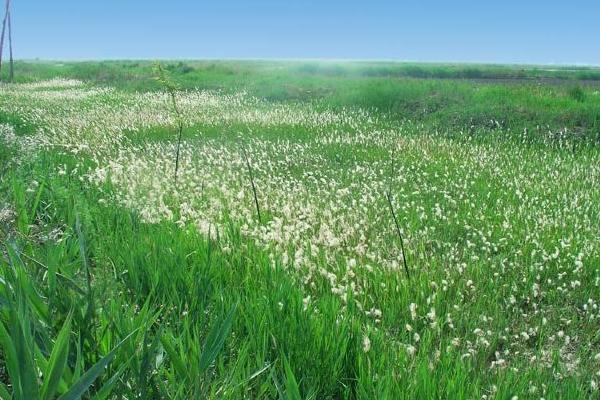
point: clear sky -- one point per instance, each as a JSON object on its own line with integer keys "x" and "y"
{"x": 507, "y": 31}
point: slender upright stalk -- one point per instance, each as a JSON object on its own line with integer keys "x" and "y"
{"x": 252, "y": 183}
{"x": 11, "y": 73}
{"x": 3, "y": 32}
{"x": 172, "y": 90}
{"x": 389, "y": 199}
{"x": 180, "y": 133}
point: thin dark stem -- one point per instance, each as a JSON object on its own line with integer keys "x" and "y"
{"x": 389, "y": 199}
{"x": 178, "y": 149}
{"x": 180, "y": 134}
{"x": 172, "y": 88}
{"x": 252, "y": 183}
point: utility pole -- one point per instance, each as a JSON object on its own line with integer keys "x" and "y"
{"x": 4, "y": 21}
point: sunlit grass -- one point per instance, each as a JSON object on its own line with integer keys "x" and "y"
{"x": 277, "y": 270}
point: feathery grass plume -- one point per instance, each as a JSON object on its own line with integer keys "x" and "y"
{"x": 172, "y": 88}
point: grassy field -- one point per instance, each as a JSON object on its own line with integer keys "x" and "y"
{"x": 270, "y": 263}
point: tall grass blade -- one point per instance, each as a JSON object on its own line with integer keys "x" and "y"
{"x": 23, "y": 282}
{"x": 86, "y": 266}
{"x": 215, "y": 340}
{"x": 36, "y": 202}
{"x": 176, "y": 360}
{"x": 107, "y": 388}
{"x": 292, "y": 390}
{"x": 88, "y": 378}
{"x": 11, "y": 360}
{"x": 4, "y": 393}
{"x": 23, "y": 340}
{"x": 149, "y": 350}
{"x": 57, "y": 362}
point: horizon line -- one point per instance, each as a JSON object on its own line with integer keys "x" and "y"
{"x": 316, "y": 59}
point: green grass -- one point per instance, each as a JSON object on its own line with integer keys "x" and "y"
{"x": 454, "y": 96}
{"x": 96, "y": 301}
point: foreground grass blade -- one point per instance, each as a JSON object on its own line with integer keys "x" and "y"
{"x": 4, "y": 393}
{"x": 214, "y": 341}
{"x": 90, "y": 376}
{"x": 24, "y": 344}
{"x": 57, "y": 362}
{"x": 107, "y": 388}
{"x": 10, "y": 358}
{"x": 292, "y": 390}
{"x": 176, "y": 360}
{"x": 24, "y": 282}
{"x": 36, "y": 203}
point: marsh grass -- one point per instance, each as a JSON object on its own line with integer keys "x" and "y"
{"x": 442, "y": 95}
{"x": 577, "y": 94}
{"x": 181, "y": 314}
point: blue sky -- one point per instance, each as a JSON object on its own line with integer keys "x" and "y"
{"x": 506, "y": 31}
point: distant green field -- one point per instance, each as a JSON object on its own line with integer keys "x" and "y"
{"x": 321, "y": 231}
{"x": 451, "y": 97}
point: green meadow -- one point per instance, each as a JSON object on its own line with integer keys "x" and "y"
{"x": 299, "y": 230}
